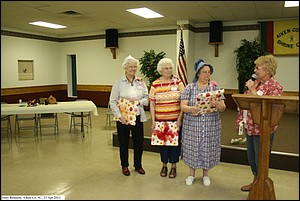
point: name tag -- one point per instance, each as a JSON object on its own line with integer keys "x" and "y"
{"x": 260, "y": 93}
{"x": 173, "y": 88}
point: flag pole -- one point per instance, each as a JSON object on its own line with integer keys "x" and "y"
{"x": 181, "y": 67}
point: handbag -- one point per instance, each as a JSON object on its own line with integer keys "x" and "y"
{"x": 51, "y": 100}
{"x": 165, "y": 133}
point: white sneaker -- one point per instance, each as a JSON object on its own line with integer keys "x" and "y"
{"x": 206, "y": 181}
{"x": 189, "y": 180}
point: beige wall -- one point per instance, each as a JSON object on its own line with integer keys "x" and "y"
{"x": 96, "y": 66}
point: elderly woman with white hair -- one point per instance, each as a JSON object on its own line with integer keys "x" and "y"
{"x": 164, "y": 99}
{"x": 128, "y": 97}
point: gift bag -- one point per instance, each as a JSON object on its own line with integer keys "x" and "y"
{"x": 128, "y": 110}
{"x": 203, "y": 101}
{"x": 52, "y": 100}
{"x": 165, "y": 133}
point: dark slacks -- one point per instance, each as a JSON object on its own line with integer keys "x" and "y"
{"x": 137, "y": 133}
{"x": 171, "y": 154}
{"x": 253, "y": 144}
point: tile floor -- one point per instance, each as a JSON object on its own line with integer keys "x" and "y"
{"x": 89, "y": 169}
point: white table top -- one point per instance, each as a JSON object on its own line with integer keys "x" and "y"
{"x": 60, "y": 107}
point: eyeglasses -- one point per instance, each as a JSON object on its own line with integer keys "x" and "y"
{"x": 205, "y": 72}
{"x": 167, "y": 68}
{"x": 132, "y": 67}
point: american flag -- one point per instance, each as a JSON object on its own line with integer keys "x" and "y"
{"x": 182, "y": 69}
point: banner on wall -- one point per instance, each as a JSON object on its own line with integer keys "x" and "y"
{"x": 280, "y": 37}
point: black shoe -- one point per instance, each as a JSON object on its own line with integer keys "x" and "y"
{"x": 164, "y": 171}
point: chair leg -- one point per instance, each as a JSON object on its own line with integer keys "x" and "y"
{"x": 82, "y": 124}
{"x": 17, "y": 128}
{"x": 71, "y": 121}
{"x": 56, "y": 124}
{"x": 9, "y": 125}
{"x": 90, "y": 120}
{"x": 40, "y": 123}
{"x": 107, "y": 121}
{"x": 16, "y": 132}
{"x": 36, "y": 129}
{"x": 74, "y": 122}
{"x": 85, "y": 122}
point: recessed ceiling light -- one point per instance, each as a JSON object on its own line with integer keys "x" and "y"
{"x": 145, "y": 13}
{"x": 48, "y": 25}
{"x": 291, "y": 3}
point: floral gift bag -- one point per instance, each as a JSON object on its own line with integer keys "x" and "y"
{"x": 203, "y": 100}
{"x": 128, "y": 110}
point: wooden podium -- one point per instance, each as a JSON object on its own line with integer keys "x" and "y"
{"x": 266, "y": 112}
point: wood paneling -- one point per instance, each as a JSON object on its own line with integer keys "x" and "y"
{"x": 99, "y": 94}
{"x": 98, "y": 88}
{"x": 29, "y": 90}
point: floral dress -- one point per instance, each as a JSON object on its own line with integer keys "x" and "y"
{"x": 269, "y": 88}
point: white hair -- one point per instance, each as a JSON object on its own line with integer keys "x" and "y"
{"x": 162, "y": 63}
{"x": 128, "y": 60}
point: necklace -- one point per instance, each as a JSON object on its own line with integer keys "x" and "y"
{"x": 131, "y": 82}
{"x": 161, "y": 85}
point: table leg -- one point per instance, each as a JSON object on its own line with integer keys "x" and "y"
{"x": 82, "y": 126}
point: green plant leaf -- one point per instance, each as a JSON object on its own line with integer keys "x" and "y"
{"x": 149, "y": 63}
{"x": 246, "y": 54}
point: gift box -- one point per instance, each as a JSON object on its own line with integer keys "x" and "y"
{"x": 165, "y": 133}
{"x": 128, "y": 109}
{"x": 203, "y": 100}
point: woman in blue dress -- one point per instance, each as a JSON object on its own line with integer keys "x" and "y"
{"x": 201, "y": 132}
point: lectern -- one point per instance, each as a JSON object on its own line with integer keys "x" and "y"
{"x": 266, "y": 112}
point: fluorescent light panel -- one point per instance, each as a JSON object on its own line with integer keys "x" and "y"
{"x": 48, "y": 25}
{"x": 145, "y": 13}
{"x": 291, "y": 3}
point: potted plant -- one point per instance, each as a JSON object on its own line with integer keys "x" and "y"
{"x": 246, "y": 54}
{"x": 149, "y": 64}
